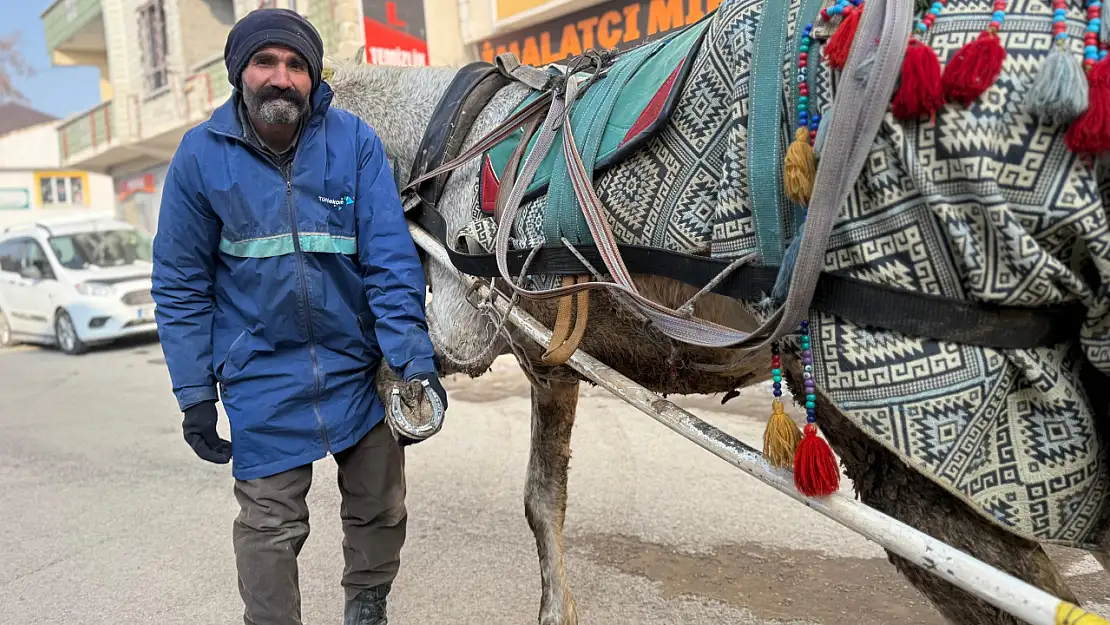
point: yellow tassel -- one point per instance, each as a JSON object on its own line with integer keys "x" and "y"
{"x": 781, "y": 437}
{"x": 1068, "y": 614}
{"x": 800, "y": 168}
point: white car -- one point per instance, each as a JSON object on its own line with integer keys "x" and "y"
{"x": 75, "y": 283}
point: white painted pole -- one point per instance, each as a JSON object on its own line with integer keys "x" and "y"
{"x": 996, "y": 587}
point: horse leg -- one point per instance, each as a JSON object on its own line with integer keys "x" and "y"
{"x": 554, "y": 402}
{"x": 886, "y": 483}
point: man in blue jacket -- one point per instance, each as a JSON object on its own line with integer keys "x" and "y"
{"x": 283, "y": 272}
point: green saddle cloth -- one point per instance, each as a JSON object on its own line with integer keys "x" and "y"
{"x": 609, "y": 121}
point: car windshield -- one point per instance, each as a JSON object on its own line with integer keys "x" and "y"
{"x": 107, "y": 248}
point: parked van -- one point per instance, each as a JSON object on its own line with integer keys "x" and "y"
{"x": 74, "y": 283}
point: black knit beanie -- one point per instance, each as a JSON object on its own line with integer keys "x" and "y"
{"x": 263, "y": 27}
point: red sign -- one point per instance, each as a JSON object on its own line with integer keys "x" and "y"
{"x": 394, "y": 32}
{"x": 131, "y": 186}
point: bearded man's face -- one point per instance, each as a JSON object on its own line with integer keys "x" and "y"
{"x": 276, "y": 84}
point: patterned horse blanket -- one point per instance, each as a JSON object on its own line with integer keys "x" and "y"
{"x": 982, "y": 203}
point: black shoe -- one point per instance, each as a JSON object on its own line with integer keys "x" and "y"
{"x": 368, "y": 607}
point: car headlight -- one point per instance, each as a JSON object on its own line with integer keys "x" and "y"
{"x": 95, "y": 290}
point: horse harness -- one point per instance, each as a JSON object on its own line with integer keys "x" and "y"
{"x": 863, "y": 303}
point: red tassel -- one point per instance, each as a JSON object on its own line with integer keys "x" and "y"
{"x": 815, "y": 470}
{"x": 1090, "y": 132}
{"x": 974, "y": 68}
{"x": 920, "y": 92}
{"x": 840, "y": 44}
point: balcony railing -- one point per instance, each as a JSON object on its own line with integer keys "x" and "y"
{"x": 87, "y": 133}
{"x": 87, "y": 138}
{"x": 66, "y": 18}
{"x": 206, "y": 88}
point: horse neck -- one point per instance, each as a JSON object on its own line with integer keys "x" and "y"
{"x": 397, "y": 102}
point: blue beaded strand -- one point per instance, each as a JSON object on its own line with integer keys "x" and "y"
{"x": 1091, "y": 52}
{"x": 776, "y": 370}
{"x": 807, "y": 373}
{"x": 806, "y": 117}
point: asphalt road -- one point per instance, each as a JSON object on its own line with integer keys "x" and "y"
{"x": 109, "y": 518}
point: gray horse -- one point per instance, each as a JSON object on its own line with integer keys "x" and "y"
{"x": 992, "y": 451}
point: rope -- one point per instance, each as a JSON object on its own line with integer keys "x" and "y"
{"x": 688, "y": 308}
{"x": 487, "y": 308}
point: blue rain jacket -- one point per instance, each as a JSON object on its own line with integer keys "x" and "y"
{"x": 287, "y": 291}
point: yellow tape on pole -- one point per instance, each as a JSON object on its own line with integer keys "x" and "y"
{"x": 1068, "y": 614}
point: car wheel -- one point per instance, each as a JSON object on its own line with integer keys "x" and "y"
{"x": 5, "y": 331}
{"x": 66, "y": 334}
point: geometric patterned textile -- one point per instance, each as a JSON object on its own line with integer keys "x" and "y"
{"x": 983, "y": 203}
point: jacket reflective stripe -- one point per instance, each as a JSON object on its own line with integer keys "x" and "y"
{"x": 281, "y": 245}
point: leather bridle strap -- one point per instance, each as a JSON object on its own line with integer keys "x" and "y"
{"x": 503, "y": 131}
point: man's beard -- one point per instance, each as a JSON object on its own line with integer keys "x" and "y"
{"x": 276, "y": 106}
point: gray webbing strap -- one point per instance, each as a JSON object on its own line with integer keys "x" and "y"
{"x": 859, "y": 109}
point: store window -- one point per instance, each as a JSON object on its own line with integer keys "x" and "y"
{"x": 67, "y": 188}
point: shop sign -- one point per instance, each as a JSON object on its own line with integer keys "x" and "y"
{"x": 13, "y": 198}
{"x": 507, "y": 9}
{"x": 394, "y": 32}
{"x": 609, "y": 25}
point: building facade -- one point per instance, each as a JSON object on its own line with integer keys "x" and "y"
{"x": 161, "y": 72}
{"x": 162, "y": 69}
{"x": 33, "y": 182}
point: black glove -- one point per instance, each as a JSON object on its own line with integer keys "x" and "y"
{"x": 434, "y": 384}
{"x": 200, "y": 432}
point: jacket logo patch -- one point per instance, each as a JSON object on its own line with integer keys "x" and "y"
{"x": 346, "y": 200}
